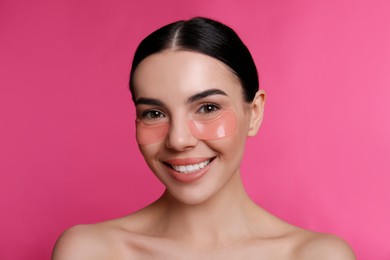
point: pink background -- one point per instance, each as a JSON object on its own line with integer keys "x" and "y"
{"x": 67, "y": 148}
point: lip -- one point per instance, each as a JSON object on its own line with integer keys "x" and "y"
{"x": 187, "y": 161}
{"x": 192, "y": 176}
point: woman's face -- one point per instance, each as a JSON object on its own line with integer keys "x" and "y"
{"x": 192, "y": 122}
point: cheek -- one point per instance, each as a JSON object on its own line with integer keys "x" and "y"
{"x": 224, "y": 125}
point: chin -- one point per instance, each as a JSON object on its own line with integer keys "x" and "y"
{"x": 190, "y": 196}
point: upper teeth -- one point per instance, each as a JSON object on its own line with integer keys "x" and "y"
{"x": 191, "y": 167}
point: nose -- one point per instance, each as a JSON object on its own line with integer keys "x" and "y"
{"x": 179, "y": 136}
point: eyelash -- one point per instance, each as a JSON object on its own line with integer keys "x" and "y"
{"x": 207, "y": 108}
{"x": 214, "y": 107}
{"x": 152, "y": 114}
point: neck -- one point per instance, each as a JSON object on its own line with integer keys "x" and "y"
{"x": 226, "y": 214}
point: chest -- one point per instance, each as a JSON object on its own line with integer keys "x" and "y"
{"x": 248, "y": 251}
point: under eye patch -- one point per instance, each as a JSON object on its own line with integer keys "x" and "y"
{"x": 223, "y": 125}
{"x": 149, "y": 134}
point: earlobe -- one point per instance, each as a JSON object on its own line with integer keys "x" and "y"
{"x": 257, "y": 112}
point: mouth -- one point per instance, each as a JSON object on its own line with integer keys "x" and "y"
{"x": 188, "y": 168}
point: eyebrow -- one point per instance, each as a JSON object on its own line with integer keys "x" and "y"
{"x": 206, "y": 93}
{"x": 149, "y": 101}
{"x": 196, "y": 97}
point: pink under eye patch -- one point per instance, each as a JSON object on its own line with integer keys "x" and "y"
{"x": 223, "y": 125}
{"x": 149, "y": 134}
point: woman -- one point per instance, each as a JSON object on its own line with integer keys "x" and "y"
{"x": 195, "y": 88}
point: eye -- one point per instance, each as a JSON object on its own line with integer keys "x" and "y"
{"x": 208, "y": 108}
{"x": 152, "y": 115}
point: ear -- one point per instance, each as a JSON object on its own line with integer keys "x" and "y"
{"x": 257, "y": 112}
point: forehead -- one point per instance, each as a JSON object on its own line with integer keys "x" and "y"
{"x": 182, "y": 73}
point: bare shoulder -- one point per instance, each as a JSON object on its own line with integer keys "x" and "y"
{"x": 79, "y": 242}
{"x": 93, "y": 241}
{"x": 114, "y": 239}
{"x": 286, "y": 241}
{"x": 323, "y": 247}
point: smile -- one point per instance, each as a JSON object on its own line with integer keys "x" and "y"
{"x": 189, "y": 168}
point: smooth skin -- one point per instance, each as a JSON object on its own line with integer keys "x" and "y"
{"x": 211, "y": 217}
